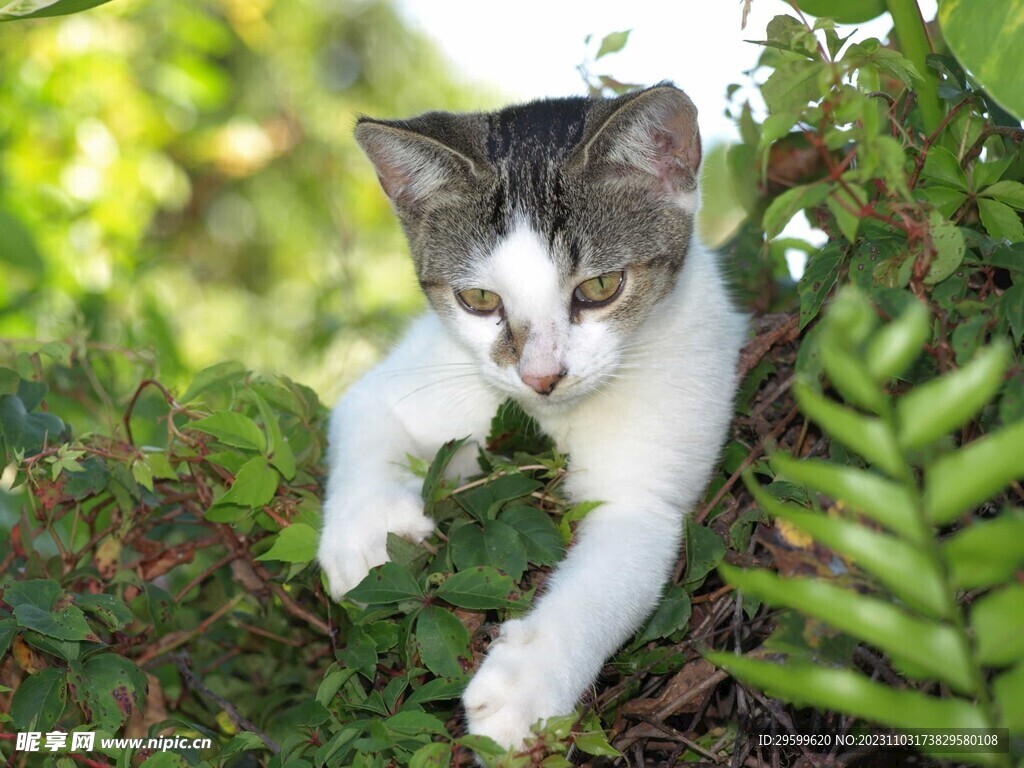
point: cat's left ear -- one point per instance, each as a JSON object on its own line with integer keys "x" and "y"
{"x": 411, "y": 165}
{"x": 653, "y": 132}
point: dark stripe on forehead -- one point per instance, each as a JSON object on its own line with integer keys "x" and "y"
{"x": 541, "y": 130}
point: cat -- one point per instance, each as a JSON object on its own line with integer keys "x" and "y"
{"x": 555, "y": 243}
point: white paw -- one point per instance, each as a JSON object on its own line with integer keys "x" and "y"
{"x": 355, "y": 536}
{"x": 517, "y": 685}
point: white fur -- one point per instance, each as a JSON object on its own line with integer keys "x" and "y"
{"x": 642, "y": 419}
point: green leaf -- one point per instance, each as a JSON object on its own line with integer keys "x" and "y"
{"x": 482, "y": 745}
{"x": 945, "y": 200}
{"x": 1001, "y": 221}
{"x": 242, "y": 742}
{"x": 514, "y": 431}
{"x": 613, "y": 43}
{"x": 869, "y": 437}
{"x": 8, "y": 628}
{"x": 387, "y": 583}
{"x": 942, "y": 166}
{"x": 438, "y": 689}
{"x": 595, "y": 743}
{"x": 33, "y": 9}
{"x": 985, "y": 174}
{"x": 360, "y": 654}
{"x": 1007, "y": 688}
{"x": 1011, "y": 310}
{"x": 40, "y": 604}
{"x": 109, "y": 688}
{"x": 948, "y": 242}
{"x": 538, "y": 533}
{"x": 211, "y": 377}
{"x": 937, "y": 407}
{"x": 904, "y": 569}
{"x": 479, "y": 588}
{"x": 295, "y": 544}
{"x": 437, "y": 754}
{"x": 998, "y": 623}
{"x": 987, "y": 552}
{"x": 143, "y": 474}
{"x": 484, "y": 502}
{"x": 897, "y": 344}
{"x": 935, "y": 648}
{"x": 987, "y": 39}
{"x": 9, "y": 380}
{"x": 1009, "y": 193}
{"x": 704, "y": 550}
{"x": 784, "y": 207}
{"x": 883, "y": 500}
{"x": 433, "y": 482}
{"x": 850, "y": 376}
{"x": 504, "y": 548}
{"x": 817, "y": 281}
{"x": 963, "y": 479}
{"x": 281, "y": 456}
{"x": 467, "y": 545}
{"x": 160, "y": 466}
{"x": 443, "y": 642}
{"x": 845, "y": 691}
{"x": 39, "y": 701}
{"x": 672, "y": 615}
{"x": 412, "y": 723}
{"x": 792, "y": 85}
{"x": 111, "y": 610}
{"x": 233, "y": 429}
{"x": 845, "y": 204}
{"x": 255, "y": 485}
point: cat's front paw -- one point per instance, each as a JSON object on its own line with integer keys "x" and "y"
{"x": 517, "y": 685}
{"x": 355, "y": 535}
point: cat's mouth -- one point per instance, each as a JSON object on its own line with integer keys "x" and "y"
{"x": 566, "y": 390}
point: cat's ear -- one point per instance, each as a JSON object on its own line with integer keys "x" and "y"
{"x": 411, "y": 166}
{"x": 653, "y": 132}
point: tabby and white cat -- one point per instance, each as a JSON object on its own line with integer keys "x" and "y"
{"x": 555, "y": 243}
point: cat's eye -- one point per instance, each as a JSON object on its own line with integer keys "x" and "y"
{"x": 599, "y": 290}
{"x": 479, "y": 300}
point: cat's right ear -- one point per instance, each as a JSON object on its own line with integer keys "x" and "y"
{"x": 411, "y": 167}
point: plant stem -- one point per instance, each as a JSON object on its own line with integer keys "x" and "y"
{"x": 916, "y": 45}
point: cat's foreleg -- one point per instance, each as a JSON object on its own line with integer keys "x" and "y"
{"x": 609, "y": 583}
{"x": 423, "y": 394}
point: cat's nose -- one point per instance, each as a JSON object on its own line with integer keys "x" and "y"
{"x": 542, "y": 385}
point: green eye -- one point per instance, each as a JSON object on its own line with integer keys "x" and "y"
{"x": 478, "y": 300}
{"x": 599, "y": 290}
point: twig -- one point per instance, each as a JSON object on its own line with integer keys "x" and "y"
{"x": 755, "y": 453}
{"x": 204, "y": 575}
{"x": 241, "y": 722}
{"x": 932, "y": 138}
{"x": 127, "y": 418}
{"x": 173, "y": 640}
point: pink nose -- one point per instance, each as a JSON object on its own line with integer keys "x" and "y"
{"x": 542, "y": 385}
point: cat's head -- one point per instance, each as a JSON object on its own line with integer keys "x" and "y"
{"x": 545, "y": 234}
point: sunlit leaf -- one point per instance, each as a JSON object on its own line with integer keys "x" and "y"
{"x": 986, "y": 553}
{"x": 987, "y": 38}
{"x": 998, "y": 623}
{"x": 958, "y": 481}
{"x": 31, "y": 9}
{"x": 851, "y": 692}
{"x": 933, "y": 647}
{"x": 937, "y": 407}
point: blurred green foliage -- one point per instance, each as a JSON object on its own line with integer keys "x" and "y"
{"x": 181, "y": 178}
